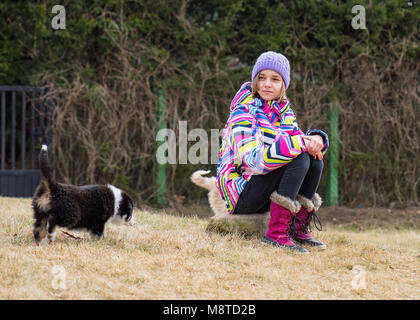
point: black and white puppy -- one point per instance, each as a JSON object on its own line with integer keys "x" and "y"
{"x": 76, "y": 207}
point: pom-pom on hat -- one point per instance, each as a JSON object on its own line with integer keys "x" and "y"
{"x": 274, "y": 61}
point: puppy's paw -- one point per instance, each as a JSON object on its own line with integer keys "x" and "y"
{"x": 43, "y": 242}
{"x": 131, "y": 222}
{"x": 96, "y": 237}
{"x": 51, "y": 237}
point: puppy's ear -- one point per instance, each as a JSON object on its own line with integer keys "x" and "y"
{"x": 129, "y": 201}
{"x": 130, "y": 207}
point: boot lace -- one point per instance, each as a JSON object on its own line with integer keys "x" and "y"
{"x": 317, "y": 222}
{"x": 305, "y": 223}
{"x": 292, "y": 230}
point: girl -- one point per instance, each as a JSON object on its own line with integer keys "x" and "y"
{"x": 266, "y": 162}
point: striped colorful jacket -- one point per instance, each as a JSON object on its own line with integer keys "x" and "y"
{"x": 260, "y": 136}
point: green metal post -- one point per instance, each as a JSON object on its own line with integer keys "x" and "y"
{"x": 332, "y": 188}
{"x": 161, "y": 181}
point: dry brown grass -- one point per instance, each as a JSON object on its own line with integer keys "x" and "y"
{"x": 170, "y": 257}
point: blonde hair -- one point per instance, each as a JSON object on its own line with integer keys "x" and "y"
{"x": 255, "y": 91}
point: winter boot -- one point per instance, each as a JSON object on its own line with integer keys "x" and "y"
{"x": 301, "y": 228}
{"x": 278, "y": 233}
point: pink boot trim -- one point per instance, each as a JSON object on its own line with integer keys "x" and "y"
{"x": 280, "y": 218}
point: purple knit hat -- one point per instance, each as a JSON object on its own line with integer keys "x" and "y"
{"x": 274, "y": 61}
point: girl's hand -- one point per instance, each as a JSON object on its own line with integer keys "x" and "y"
{"x": 314, "y": 145}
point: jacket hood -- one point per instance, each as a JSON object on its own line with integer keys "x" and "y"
{"x": 244, "y": 96}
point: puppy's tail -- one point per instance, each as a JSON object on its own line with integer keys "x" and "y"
{"x": 204, "y": 182}
{"x": 45, "y": 168}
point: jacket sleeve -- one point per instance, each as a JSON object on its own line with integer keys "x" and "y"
{"x": 324, "y": 137}
{"x": 291, "y": 118}
{"x": 248, "y": 147}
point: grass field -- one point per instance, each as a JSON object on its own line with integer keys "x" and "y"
{"x": 172, "y": 257}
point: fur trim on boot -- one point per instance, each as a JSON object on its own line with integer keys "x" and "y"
{"x": 292, "y": 205}
{"x": 317, "y": 201}
{"x": 310, "y": 205}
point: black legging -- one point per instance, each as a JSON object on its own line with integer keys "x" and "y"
{"x": 301, "y": 176}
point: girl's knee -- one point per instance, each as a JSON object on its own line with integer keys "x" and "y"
{"x": 316, "y": 165}
{"x": 304, "y": 161}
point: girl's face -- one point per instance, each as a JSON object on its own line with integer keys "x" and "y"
{"x": 270, "y": 85}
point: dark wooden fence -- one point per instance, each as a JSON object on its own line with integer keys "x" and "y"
{"x": 25, "y": 124}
